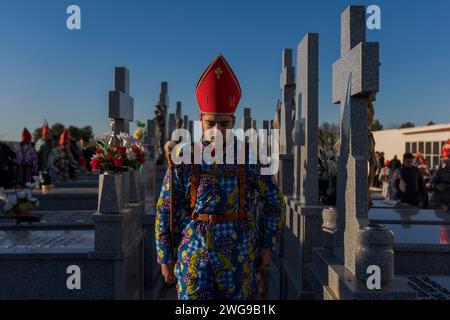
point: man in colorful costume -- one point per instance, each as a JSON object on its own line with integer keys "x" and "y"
{"x": 61, "y": 159}
{"x": 27, "y": 160}
{"x": 220, "y": 248}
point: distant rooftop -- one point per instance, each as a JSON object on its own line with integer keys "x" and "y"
{"x": 423, "y": 129}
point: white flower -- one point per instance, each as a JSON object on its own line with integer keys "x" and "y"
{"x": 104, "y": 138}
{"x": 131, "y": 155}
{"x": 28, "y": 194}
{"x": 8, "y": 206}
{"x": 3, "y": 195}
{"x": 21, "y": 194}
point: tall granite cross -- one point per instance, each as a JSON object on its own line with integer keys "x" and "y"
{"x": 121, "y": 105}
{"x": 355, "y": 76}
{"x": 306, "y": 188}
{"x": 247, "y": 119}
{"x": 287, "y": 87}
{"x": 178, "y": 116}
{"x": 164, "y": 101}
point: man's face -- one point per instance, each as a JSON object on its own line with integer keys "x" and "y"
{"x": 220, "y": 122}
{"x": 408, "y": 162}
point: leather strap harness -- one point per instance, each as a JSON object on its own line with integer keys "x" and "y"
{"x": 213, "y": 218}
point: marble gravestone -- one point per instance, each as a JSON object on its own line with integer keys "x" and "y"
{"x": 341, "y": 273}
{"x": 303, "y": 215}
{"x": 306, "y": 188}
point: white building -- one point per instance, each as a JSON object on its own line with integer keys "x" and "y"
{"x": 427, "y": 140}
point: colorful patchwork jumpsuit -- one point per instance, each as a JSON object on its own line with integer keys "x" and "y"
{"x": 216, "y": 259}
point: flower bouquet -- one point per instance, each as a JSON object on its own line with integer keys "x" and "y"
{"x": 129, "y": 153}
{"x": 18, "y": 204}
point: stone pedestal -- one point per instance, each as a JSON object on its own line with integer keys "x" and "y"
{"x": 285, "y": 174}
{"x": 121, "y": 237}
{"x": 301, "y": 234}
{"x": 135, "y": 187}
{"x": 126, "y": 187}
{"x": 111, "y": 193}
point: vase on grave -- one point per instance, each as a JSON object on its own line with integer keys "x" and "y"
{"x": 375, "y": 248}
{"x": 22, "y": 212}
{"x": 134, "y": 186}
{"x": 110, "y": 193}
{"x": 329, "y": 226}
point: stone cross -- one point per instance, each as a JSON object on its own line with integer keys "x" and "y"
{"x": 150, "y": 140}
{"x": 164, "y": 101}
{"x": 247, "y": 119}
{"x": 172, "y": 124}
{"x": 178, "y": 116}
{"x": 355, "y": 77}
{"x": 306, "y": 188}
{"x": 266, "y": 126}
{"x": 191, "y": 128}
{"x": 186, "y": 122}
{"x": 287, "y": 87}
{"x": 121, "y": 105}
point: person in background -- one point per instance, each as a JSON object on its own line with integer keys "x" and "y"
{"x": 440, "y": 184}
{"x": 61, "y": 159}
{"x": 26, "y": 159}
{"x": 44, "y": 148}
{"x": 395, "y": 164}
{"x": 7, "y": 163}
{"x": 88, "y": 152}
{"x": 77, "y": 154}
{"x": 408, "y": 182}
{"x": 386, "y": 178}
{"x": 377, "y": 170}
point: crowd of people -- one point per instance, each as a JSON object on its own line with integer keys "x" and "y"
{"x": 411, "y": 182}
{"x": 48, "y": 158}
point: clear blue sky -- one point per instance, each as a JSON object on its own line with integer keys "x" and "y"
{"x": 47, "y": 71}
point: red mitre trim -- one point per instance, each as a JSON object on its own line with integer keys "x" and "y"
{"x": 26, "y": 135}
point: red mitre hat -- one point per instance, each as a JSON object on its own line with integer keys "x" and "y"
{"x": 446, "y": 151}
{"x": 65, "y": 136}
{"x": 26, "y": 135}
{"x": 45, "y": 129}
{"x": 218, "y": 90}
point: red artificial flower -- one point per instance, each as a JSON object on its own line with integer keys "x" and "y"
{"x": 121, "y": 150}
{"x": 95, "y": 163}
{"x": 109, "y": 156}
{"x": 118, "y": 162}
{"x": 99, "y": 151}
{"x": 136, "y": 150}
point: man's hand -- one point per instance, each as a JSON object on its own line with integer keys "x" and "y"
{"x": 168, "y": 273}
{"x": 262, "y": 260}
